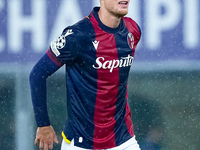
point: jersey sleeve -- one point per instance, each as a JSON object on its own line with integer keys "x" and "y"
{"x": 139, "y": 30}
{"x": 134, "y": 28}
{"x": 62, "y": 51}
{"x": 44, "y": 68}
{"x": 66, "y": 48}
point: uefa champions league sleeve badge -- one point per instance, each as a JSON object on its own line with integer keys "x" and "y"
{"x": 60, "y": 42}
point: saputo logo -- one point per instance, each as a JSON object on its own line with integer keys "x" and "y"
{"x": 111, "y": 64}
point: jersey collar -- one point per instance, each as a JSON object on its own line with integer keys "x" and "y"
{"x": 104, "y": 27}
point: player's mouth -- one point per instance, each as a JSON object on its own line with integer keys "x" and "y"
{"x": 123, "y": 3}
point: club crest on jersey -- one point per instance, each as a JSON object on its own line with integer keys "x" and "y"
{"x": 130, "y": 39}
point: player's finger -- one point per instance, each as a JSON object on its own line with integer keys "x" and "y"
{"x": 41, "y": 145}
{"x": 46, "y": 146}
{"x": 50, "y": 145}
{"x": 36, "y": 141}
{"x": 55, "y": 139}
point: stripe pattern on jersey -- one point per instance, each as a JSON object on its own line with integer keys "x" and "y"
{"x": 99, "y": 115}
{"x": 106, "y": 93}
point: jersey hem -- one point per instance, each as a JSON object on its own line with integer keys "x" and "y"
{"x": 64, "y": 137}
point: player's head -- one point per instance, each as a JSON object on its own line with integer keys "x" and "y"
{"x": 115, "y": 7}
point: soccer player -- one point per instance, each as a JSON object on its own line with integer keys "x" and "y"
{"x": 98, "y": 52}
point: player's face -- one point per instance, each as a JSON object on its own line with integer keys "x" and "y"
{"x": 116, "y": 7}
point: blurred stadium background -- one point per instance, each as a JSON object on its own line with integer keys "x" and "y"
{"x": 164, "y": 83}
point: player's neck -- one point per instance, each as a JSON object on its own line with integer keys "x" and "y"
{"x": 108, "y": 19}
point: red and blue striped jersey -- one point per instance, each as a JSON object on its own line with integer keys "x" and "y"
{"x": 98, "y": 60}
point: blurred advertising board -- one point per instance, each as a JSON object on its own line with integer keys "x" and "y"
{"x": 170, "y": 28}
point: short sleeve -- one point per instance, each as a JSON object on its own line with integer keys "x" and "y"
{"x": 66, "y": 48}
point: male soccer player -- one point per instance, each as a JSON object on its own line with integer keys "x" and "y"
{"x": 98, "y": 52}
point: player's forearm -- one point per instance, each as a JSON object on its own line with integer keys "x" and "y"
{"x": 38, "y": 95}
{"x": 40, "y": 72}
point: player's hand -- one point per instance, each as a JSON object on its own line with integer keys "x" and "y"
{"x": 46, "y": 136}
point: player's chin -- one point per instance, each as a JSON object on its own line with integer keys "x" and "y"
{"x": 122, "y": 13}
